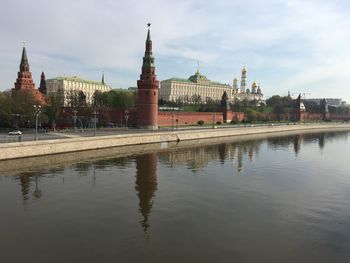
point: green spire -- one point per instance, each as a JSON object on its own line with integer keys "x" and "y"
{"x": 24, "y": 59}
{"x": 149, "y": 32}
{"x": 148, "y": 59}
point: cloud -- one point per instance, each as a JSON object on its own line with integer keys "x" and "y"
{"x": 286, "y": 45}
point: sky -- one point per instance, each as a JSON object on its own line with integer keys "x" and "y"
{"x": 287, "y": 45}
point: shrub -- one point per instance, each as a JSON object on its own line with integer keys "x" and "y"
{"x": 234, "y": 121}
{"x": 218, "y": 122}
{"x": 200, "y": 123}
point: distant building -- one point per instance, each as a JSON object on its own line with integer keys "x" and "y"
{"x": 195, "y": 89}
{"x": 71, "y": 85}
{"x": 335, "y": 102}
{"x": 244, "y": 93}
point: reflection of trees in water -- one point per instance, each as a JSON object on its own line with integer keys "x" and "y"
{"x": 199, "y": 157}
{"x": 146, "y": 185}
{"x": 304, "y": 139}
{"x": 120, "y": 162}
{"x": 26, "y": 183}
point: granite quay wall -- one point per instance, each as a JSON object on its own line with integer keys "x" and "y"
{"x": 42, "y": 148}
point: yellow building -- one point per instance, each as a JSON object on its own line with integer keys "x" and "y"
{"x": 195, "y": 89}
{"x": 73, "y": 85}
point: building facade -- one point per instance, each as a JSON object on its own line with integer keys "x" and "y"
{"x": 73, "y": 85}
{"x": 195, "y": 89}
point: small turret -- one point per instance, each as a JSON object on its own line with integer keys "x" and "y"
{"x": 42, "y": 87}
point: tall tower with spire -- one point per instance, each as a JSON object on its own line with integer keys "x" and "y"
{"x": 42, "y": 87}
{"x": 103, "y": 78}
{"x": 244, "y": 80}
{"x": 24, "y": 76}
{"x": 147, "y": 90}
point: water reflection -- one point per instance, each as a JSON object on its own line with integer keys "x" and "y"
{"x": 26, "y": 182}
{"x": 146, "y": 185}
{"x": 213, "y": 215}
{"x": 195, "y": 158}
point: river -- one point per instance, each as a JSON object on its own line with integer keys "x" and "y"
{"x": 274, "y": 199}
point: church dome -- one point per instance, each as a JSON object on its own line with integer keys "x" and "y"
{"x": 197, "y": 77}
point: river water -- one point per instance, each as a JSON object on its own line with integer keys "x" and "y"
{"x": 276, "y": 199}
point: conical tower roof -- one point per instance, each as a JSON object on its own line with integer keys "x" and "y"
{"x": 24, "y": 59}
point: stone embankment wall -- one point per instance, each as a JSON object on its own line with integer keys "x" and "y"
{"x": 42, "y": 148}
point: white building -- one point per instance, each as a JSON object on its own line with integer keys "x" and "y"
{"x": 195, "y": 89}
{"x": 244, "y": 93}
{"x": 70, "y": 85}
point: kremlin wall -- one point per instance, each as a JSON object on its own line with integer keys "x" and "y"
{"x": 146, "y": 115}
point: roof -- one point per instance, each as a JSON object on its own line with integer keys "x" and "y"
{"x": 193, "y": 79}
{"x": 77, "y": 79}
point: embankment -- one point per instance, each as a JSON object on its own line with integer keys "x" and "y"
{"x": 49, "y": 147}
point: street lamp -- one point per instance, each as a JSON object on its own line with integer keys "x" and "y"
{"x": 75, "y": 119}
{"x": 37, "y": 111}
{"x": 126, "y": 115}
{"x": 95, "y": 120}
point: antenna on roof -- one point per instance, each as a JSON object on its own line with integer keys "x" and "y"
{"x": 198, "y": 66}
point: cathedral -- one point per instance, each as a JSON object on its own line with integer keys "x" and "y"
{"x": 243, "y": 92}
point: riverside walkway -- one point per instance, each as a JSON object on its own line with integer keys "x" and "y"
{"x": 73, "y": 142}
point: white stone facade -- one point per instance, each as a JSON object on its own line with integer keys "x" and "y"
{"x": 75, "y": 84}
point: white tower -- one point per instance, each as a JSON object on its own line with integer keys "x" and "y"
{"x": 244, "y": 80}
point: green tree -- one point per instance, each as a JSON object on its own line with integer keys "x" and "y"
{"x": 23, "y": 106}
{"x": 53, "y": 106}
{"x": 6, "y": 110}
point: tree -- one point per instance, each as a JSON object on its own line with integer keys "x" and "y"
{"x": 6, "y": 109}
{"x": 196, "y": 99}
{"x": 121, "y": 99}
{"x": 23, "y": 102}
{"x": 72, "y": 98}
{"x": 52, "y": 108}
{"x": 81, "y": 99}
{"x": 99, "y": 99}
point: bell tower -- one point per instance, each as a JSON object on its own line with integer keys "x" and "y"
{"x": 147, "y": 90}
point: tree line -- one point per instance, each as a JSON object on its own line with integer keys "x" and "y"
{"x": 18, "y": 111}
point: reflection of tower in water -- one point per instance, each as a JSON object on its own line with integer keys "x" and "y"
{"x": 146, "y": 184}
{"x": 321, "y": 141}
{"x": 297, "y": 143}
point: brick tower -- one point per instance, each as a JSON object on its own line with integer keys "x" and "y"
{"x": 24, "y": 80}
{"x": 147, "y": 90}
{"x": 300, "y": 110}
{"x": 225, "y": 106}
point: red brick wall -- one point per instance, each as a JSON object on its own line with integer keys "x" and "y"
{"x": 166, "y": 118}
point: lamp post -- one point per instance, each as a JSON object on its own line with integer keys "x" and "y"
{"x": 213, "y": 119}
{"x": 172, "y": 120}
{"x": 126, "y": 116}
{"x": 95, "y": 120}
{"x": 37, "y": 111}
{"x": 75, "y": 119}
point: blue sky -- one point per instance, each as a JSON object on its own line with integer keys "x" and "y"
{"x": 296, "y": 45}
